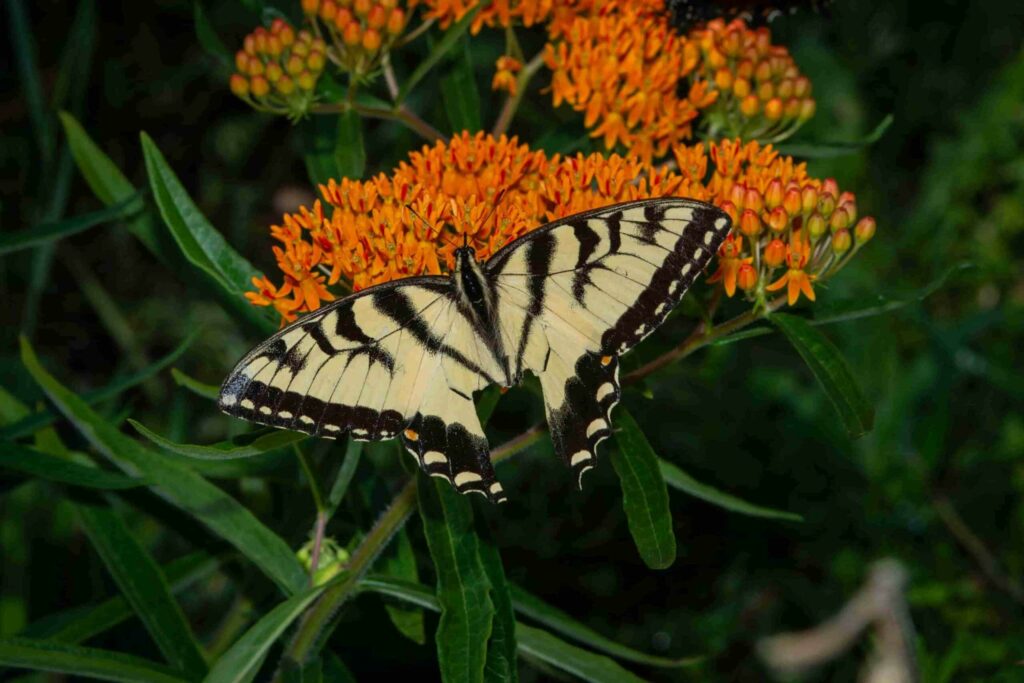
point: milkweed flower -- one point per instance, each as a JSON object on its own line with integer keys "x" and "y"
{"x": 277, "y": 69}
{"x": 486, "y": 191}
{"x": 359, "y": 32}
{"x": 505, "y": 71}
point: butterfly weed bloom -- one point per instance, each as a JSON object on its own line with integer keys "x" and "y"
{"x": 505, "y": 70}
{"x": 789, "y": 229}
{"x": 359, "y": 32}
{"x": 761, "y": 93}
{"x": 277, "y": 69}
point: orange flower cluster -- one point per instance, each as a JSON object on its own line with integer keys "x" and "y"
{"x": 502, "y": 13}
{"x": 783, "y": 221}
{"x": 277, "y": 69}
{"x": 505, "y": 71}
{"x": 622, "y": 66}
{"x": 761, "y": 92}
{"x": 488, "y": 191}
{"x": 359, "y": 30}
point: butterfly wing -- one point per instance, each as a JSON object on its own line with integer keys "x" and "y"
{"x": 575, "y": 295}
{"x": 396, "y": 360}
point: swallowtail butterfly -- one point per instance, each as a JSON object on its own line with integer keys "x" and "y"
{"x": 403, "y": 359}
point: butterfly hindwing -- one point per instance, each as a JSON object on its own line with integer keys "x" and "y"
{"x": 584, "y": 291}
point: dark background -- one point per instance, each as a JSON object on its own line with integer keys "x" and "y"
{"x": 946, "y": 184}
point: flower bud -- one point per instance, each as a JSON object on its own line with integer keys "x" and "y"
{"x": 260, "y": 36}
{"x": 310, "y": 6}
{"x": 315, "y": 61}
{"x": 255, "y": 66}
{"x": 396, "y": 21}
{"x": 259, "y": 86}
{"x": 839, "y": 220}
{"x": 778, "y": 219}
{"x": 752, "y": 200}
{"x": 765, "y": 91}
{"x": 773, "y": 194}
{"x": 792, "y": 202}
{"x": 249, "y": 44}
{"x": 371, "y": 40}
{"x": 801, "y": 86}
{"x": 830, "y": 186}
{"x": 848, "y": 202}
{"x": 362, "y": 7}
{"x": 737, "y": 194}
{"x": 342, "y": 19}
{"x": 816, "y": 226}
{"x": 746, "y": 278}
{"x": 716, "y": 60}
{"x": 775, "y": 253}
{"x": 285, "y": 85}
{"x": 785, "y": 89}
{"x": 274, "y": 47}
{"x": 841, "y": 242}
{"x": 750, "y": 223}
{"x": 808, "y": 199}
{"x": 294, "y": 65}
{"x": 239, "y": 85}
{"x": 750, "y": 106}
{"x": 723, "y": 79}
{"x": 328, "y": 10}
{"x": 745, "y": 69}
{"x": 287, "y": 36}
{"x": 763, "y": 72}
{"x": 773, "y": 109}
{"x": 306, "y": 80}
{"x": 274, "y": 72}
{"x": 241, "y": 62}
{"x": 864, "y": 230}
{"x": 301, "y": 48}
{"x": 730, "y": 209}
{"x": 807, "y": 109}
{"x": 791, "y": 109}
{"x": 352, "y": 35}
{"x": 763, "y": 41}
{"x": 741, "y": 87}
{"x": 377, "y": 17}
{"x": 826, "y": 205}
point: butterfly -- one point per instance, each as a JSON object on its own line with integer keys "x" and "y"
{"x": 403, "y": 359}
{"x": 685, "y": 14}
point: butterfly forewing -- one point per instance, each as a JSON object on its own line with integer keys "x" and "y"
{"x": 404, "y": 359}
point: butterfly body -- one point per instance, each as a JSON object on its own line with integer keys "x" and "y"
{"x": 403, "y": 359}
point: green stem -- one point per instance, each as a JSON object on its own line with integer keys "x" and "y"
{"x": 402, "y": 115}
{"x": 314, "y": 486}
{"x": 508, "y": 111}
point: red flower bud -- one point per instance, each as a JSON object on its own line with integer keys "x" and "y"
{"x": 778, "y": 219}
{"x": 752, "y": 200}
{"x": 750, "y": 223}
{"x": 730, "y": 209}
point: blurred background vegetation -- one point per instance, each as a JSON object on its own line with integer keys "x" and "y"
{"x": 937, "y": 484}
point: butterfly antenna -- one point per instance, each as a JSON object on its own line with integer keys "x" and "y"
{"x": 430, "y": 228}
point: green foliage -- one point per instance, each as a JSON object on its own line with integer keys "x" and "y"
{"x": 166, "y": 549}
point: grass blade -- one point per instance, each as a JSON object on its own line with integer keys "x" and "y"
{"x": 51, "y": 468}
{"x": 557, "y": 620}
{"x": 198, "y": 388}
{"x": 680, "y": 480}
{"x": 177, "y": 484}
{"x": 23, "y": 42}
{"x": 462, "y": 585}
{"x": 144, "y": 586}
{"x": 244, "y": 446}
{"x": 644, "y": 495}
{"x": 437, "y": 52}
{"x": 51, "y": 232}
{"x": 88, "y": 662}
{"x": 831, "y": 371}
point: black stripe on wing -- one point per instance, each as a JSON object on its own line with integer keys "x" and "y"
{"x": 451, "y": 452}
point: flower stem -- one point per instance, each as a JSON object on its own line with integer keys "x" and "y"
{"x": 402, "y": 115}
{"x": 508, "y": 111}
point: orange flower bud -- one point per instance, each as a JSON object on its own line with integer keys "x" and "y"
{"x": 816, "y": 226}
{"x": 239, "y": 85}
{"x": 377, "y": 17}
{"x": 778, "y": 219}
{"x": 306, "y": 80}
{"x": 752, "y": 200}
{"x": 775, "y": 253}
{"x": 287, "y": 35}
{"x": 808, "y": 199}
{"x": 285, "y": 85}
{"x": 310, "y": 6}
{"x": 301, "y": 48}
{"x": 840, "y": 220}
{"x": 785, "y": 89}
{"x": 763, "y": 72}
{"x": 274, "y": 47}
{"x": 396, "y": 21}
{"x": 745, "y": 69}
{"x": 773, "y": 109}
{"x": 255, "y": 66}
{"x": 352, "y": 35}
{"x": 773, "y": 194}
{"x": 362, "y": 7}
{"x": 294, "y": 65}
{"x": 750, "y": 223}
{"x": 830, "y": 186}
{"x": 389, "y": 4}
{"x": 807, "y": 109}
{"x": 716, "y": 60}
{"x": 801, "y": 86}
{"x": 249, "y": 45}
{"x": 259, "y": 86}
{"x": 343, "y": 18}
{"x": 723, "y": 79}
{"x": 746, "y": 278}
{"x": 241, "y": 62}
{"x": 841, "y": 242}
{"x": 848, "y": 202}
{"x": 328, "y": 9}
{"x": 765, "y": 91}
{"x": 864, "y": 230}
{"x": 826, "y": 205}
{"x": 274, "y": 72}
{"x": 741, "y": 87}
{"x": 371, "y": 40}
{"x": 750, "y": 106}
{"x": 792, "y": 202}
{"x": 315, "y": 61}
{"x": 792, "y": 109}
{"x": 738, "y": 194}
{"x": 763, "y": 41}
{"x": 260, "y": 35}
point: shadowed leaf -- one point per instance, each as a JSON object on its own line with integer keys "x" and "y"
{"x": 52, "y": 468}
{"x": 244, "y": 446}
{"x": 88, "y": 662}
{"x": 680, "y": 480}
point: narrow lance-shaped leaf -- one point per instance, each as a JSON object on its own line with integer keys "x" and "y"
{"x": 678, "y": 479}
{"x": 60, "y": 470}
{"x": 221, "y": 513}
{"x": 437, "y": 52}
{"x": 462, "y": 585}
{"x": 501, "y": 649}
{"x": 198, "y": 388}
{"x": 458, "y": 88}
{"x": 349, "y": 464}
{"x": 826, "y": 150}
{"x": 349, "y": 150}
{"x": 208, "y": 37}
{"x": 244, "y": 658}
{"x": 51, "y": 232}
{"x": 144, "y": 586}
{"x": 644, "y": 496}
{"x": 244, "y": 446}
{"x": 831, "y": 371}
{"x": 88, "y": 662}
{"x": 399, "y": 560}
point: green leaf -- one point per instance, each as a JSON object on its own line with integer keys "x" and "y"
{"x": 243, "y": 659}
{"x": 437, "y": 52}
{"x": 826, "y": 150}
{"x": 144, "y": 586}
{"x": 577, "y": 661}
{"x": 24, "y": 47}
{"x": 644, "y": 495}
{"x": 831, "y": 371}
{"x": 106, "y": 180}
{"x": 209, "y": 391}
{"x": 177, "y": 484}
{"x": 244, "y": 446}
{"x": 678, "y": 479}
{"x": 208, "y": 38}
{"x": 458, "y": 90}
{"x": 349, "y": 149}
{"x": 339, "y": 488}
{"x": 43, "y": 418}
{"x": 559, "y": 621}
{"x": 51, "y": 232}
{"x": 462, "y": 585}
{"x": 501, "y": 649}
{"x": 486, "y": 404}
{"x": 87, "y": 662}
{"x": 399, "y": 561}
{"x": 51, "y": 468}
{"x": 199, "y": 241}
{"x": 82, "y": 623}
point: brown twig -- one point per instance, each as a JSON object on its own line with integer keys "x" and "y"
{"x": 403, "y": 115}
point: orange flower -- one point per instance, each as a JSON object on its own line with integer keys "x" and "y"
{"x": 357, "y": 32}
{"x": 798, "y": 280}
{"x": 729, "y": 262}
{"x": 505, "y": 75}
{"x": 502, "y": 13}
